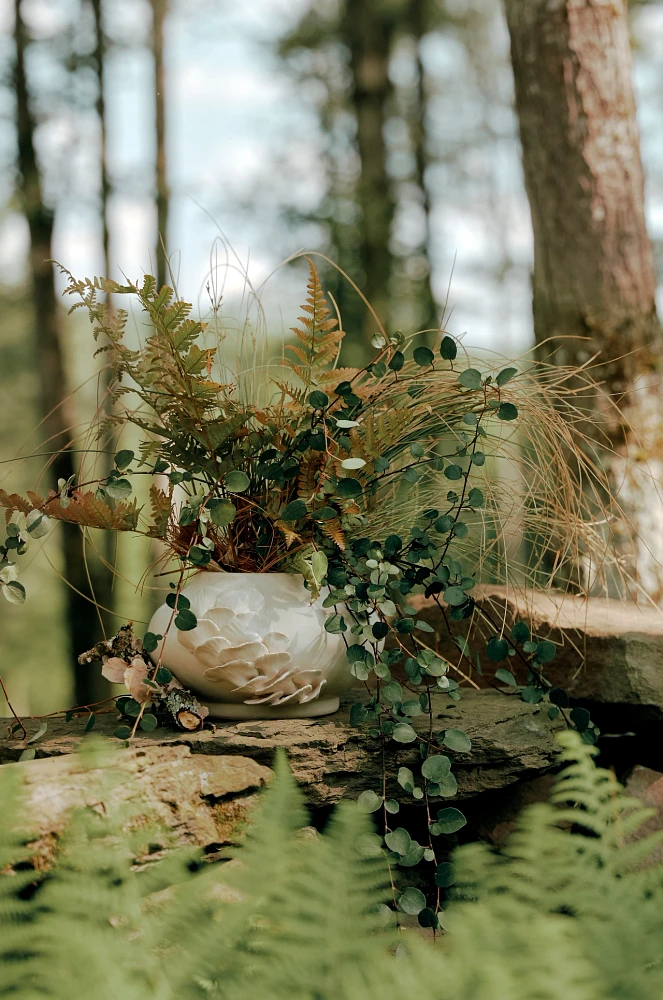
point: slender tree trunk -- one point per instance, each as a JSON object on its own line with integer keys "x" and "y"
{"x": 418, "y": 23}
{"x": 99, "y": 59}
{"x": 368, "y": 35}
{"x": 594, "y": 280}
{"x": 82, "y": 621}
{"x": 104, "y": 582}
{"x": 159, "y": 10}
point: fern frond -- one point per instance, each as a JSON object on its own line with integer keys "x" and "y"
{"x": 160, "y": 503}
{"x": 320, "y": 339}
{"x": 333, "y": 530}
{"x": 13, "y": 502}
{"x": 85, "y": 509}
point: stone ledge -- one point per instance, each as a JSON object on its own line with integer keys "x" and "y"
{"x": 609, "y": 652}
{"x": 512, "y": 742}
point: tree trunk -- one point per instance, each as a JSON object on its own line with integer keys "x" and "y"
{"x": 104, "y": 582}
{"x": 82, "y": 620}
{"x": 418, "y": 23}
{"x": 99, "y": 59}
{"x": 594, "y": 280}
{"x": 367, "y": 32}
{"x": 159, "y": 9}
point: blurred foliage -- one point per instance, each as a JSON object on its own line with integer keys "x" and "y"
{"x": 34, "y": 663}
{"x": 570, "y": 909}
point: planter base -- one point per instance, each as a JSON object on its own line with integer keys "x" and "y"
{"x": 321, "y": 706}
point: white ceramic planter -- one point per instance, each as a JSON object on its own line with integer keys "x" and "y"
{"x": 260, "y": 649}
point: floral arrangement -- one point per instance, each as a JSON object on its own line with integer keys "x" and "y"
{"x": 375, "y": 484}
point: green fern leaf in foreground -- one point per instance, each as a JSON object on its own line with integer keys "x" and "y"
{"x": 570, "y": 910}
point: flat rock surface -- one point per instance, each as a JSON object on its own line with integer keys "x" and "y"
{"x": 608, "y": 651}
{"x": 511, "y": 742}
{"x": 199, "y": 801}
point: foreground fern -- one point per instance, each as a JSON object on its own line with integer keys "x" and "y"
{"x": 558, "y": 915}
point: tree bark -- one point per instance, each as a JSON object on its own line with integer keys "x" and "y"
{"x": 594, "y": 280}
{"x": 418, "y": 15}
{"x": 367, "y": 32}
{"x": 99, "y": 59}
{"x": 159, "y": 10}
{"x": 82, "y": 621}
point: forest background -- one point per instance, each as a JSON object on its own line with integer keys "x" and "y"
{"x": 380, "y": 132}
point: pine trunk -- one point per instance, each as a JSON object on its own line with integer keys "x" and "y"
{"x": 99, "y": 59}
{"x": 594, "y": 280}
{"x": 57, "y": 421}
{"x": 368, "y": 35}
{"x": 108, "y": 547}
{"x": 159, "y": 9}
{"x": 418, "y": 14}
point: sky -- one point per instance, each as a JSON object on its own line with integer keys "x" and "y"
{"x": 244, "y": 144}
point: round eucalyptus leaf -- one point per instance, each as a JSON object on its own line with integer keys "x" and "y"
{"x": 368, "y": 801}
{"x": 450, "y": 820}
{"x": 457, "y": 740}
{"x": 221, "y": 512}
{"x": 185, "y": 620}
{"x": 507, "y": 411}
{"x": 447, "y": 787}
{"x": 445, "y": 875}
{"x": 505, "y": 676}
{"x": 38, "y": 523}
{"x": 505, "y": 375}
{"x": 413, "y": 856}
{"x": 348, "y": 488}
{"x": 150, "y": 641}
{"x": 398, "y": 841}
{"x": 293, "y": 511}
{"x": 378, "y": 369}
{"x": 324, "y": 514}
{"x": 497, "y": 649}
{"x": 520, "y": 632}
{"x": 470, "y": 378}
{"x": 448, "y": 348}
{"x": 436, "y": 768}
{"x": 124, "y": 458}
{"x": 428, "y": 918}
{"x": 423, "y": 356}
{"x": 411, "y": 901}
{"x": 581, "y": 719}
{"x": 545, "y": 651}
{"x": 119, "y": 489}
{"x": 148, "y": 723}
{"x": 14, "y": 592}
{"x": 236, "y": 481}
{"x": 404, "y": 733}
{"x": 455, "y": 596}
{"x": 559, "y": 697}
{"x": 318, "y": 400}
